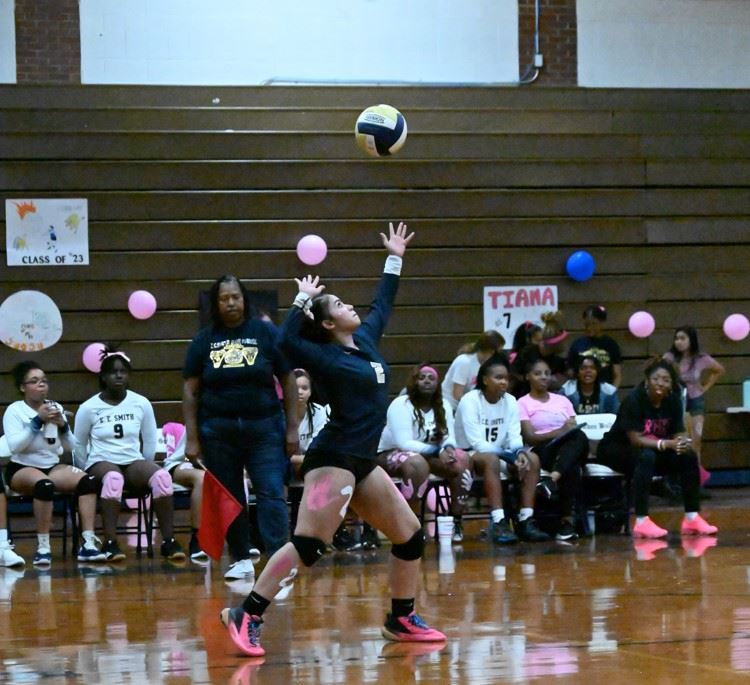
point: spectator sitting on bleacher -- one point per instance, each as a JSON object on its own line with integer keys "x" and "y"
{"x": 597, "y": 344}
{"x": 586, "y": 392}
{"x": 109, "y": 428}
{"x": 548, "y": 348}
{"x": 548, "y": 424}
{"x": 188, "y": 475}
{"x": 487, "y": 423}
{"x": 462, "y": 373}
{"x": 418, "y": 439}
{"x": 648, "y": 437}
{"x": 37, "y": 432}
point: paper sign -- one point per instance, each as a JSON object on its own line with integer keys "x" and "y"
{"x": 46, "y": 232}
{"x": 507, "y": 307}
{"x": 30, "y": 321}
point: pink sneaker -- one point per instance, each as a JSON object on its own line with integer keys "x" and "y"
{"x": 410, "y": 628}
{"x": 648, "y": 529}
{"x": 244, "y": 630}
{"x": 645, "y": 550}
{"x": 696, "y": 546}
{"x": 698, "y": 526}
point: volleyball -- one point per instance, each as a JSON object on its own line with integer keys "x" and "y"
{"x": 380, "y": 130}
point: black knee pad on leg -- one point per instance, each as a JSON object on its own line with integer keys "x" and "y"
{"x": 87, "y": 486}
{"x": 44, "y": 490}
{"x": 309, "y": 549}
{"x": 412, "y": 549}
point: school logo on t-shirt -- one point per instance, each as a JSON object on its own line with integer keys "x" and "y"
{"x": 234, "y": 354}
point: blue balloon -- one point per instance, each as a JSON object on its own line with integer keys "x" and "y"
{"x": 580, "y": 266}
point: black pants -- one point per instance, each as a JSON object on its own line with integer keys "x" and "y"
{"x": 641, "y": 465}
{"x": 567, "y": 456}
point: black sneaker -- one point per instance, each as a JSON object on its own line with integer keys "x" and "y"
{"x": 458, "y": 529}
{"x": 501, "y": 533}
{"x": 529, "y": 532}
{"x": 344, "y": 541}
{"x": 547, "y": 488}
{"x": 196, "y": 553}
{"x": 567, "y": 532}
{"x": 171, "y": 549}
{"x": 370, "y": 539}
{"x": 112, "y": 551}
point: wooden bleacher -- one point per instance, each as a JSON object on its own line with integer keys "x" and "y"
{"x": 501, "y": 184}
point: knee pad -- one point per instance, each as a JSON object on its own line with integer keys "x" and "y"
{"x": 86, "y": 486}
{"x": 310, "y": 550}
{"x": 44, "y": 490}
{"x": 112, "y": 485}
{"x": 412, "y": 549}
{"x": 161, "y": 484}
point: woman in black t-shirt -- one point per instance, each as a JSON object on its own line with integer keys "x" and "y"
{"x": 233, "y": 417}
{"x": 649, "y": 436}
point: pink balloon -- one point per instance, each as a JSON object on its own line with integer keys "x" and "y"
{"x": 312, "y": 249}
{"x": 736, "y": 327}
{"x": 92, "y": 357}
{"x": 641, "y": 324}
{"x": 142, "y": 304}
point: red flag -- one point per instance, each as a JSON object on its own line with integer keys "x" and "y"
{"x": 219, "y": 508}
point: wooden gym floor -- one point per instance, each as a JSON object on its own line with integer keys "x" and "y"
{"x": 601, "y": 610}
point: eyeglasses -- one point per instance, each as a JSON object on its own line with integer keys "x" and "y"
{"x": 36, "y": 381}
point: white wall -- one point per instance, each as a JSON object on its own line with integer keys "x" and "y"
{"x": 242, "y": 42}
{"x": 664, "y": 43}
{"x": 7, "y": 42}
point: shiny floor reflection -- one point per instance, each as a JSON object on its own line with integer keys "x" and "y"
{"x": 603, "y": 609}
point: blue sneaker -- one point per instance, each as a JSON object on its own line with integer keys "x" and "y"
{"x": 91, "y": 554}
{"x": 42, "y": 559}
{"x": 501, "y": 533}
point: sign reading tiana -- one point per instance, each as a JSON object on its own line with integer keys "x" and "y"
{"x": 48, "y": 232}
{"x": 507, "y": 307}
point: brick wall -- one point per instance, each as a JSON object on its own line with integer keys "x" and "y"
{"x": 558, "y": 40}
{"x": 48, "y": 42}
{"x": 48, "y": 45}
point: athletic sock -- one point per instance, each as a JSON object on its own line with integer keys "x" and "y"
{"x": 255, "y": 605}
{"x": 402, "y": 607}
{"x": 497, "y": 515}
{"x": 525, "y": 513}
{"x": 691, "y": 515}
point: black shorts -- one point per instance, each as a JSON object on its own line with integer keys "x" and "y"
{"x": 359, "y": 467}
{"x": 14, "y": 467}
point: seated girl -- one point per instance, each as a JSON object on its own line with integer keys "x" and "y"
{"x": 549, "y": 348}
{"x": 109, "y": 428}
{"x": 548, "y": 424}
{"x": 462, "y": 373}
{"x": 189, "y": 475}
{"x": 487, "y": 424}
{"x": 418, "y": 439}
{"x": 37, "y": 433}
{"x": 649, "y": 437}
{"x": 586, "y": 392}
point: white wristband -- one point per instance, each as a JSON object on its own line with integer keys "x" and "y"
{"x": 393, "y": 265}
{"x": 303, "y": 301}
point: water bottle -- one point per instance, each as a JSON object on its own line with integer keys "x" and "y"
{"x": 746, "y": 393}
{"x": 50, "y": 429}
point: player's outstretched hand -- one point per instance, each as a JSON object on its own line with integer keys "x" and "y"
{"x": 309, "y": 285}
{"x": 397, "y": 240}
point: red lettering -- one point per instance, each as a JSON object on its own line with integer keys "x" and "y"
{"x": 496, "y": 294}
{"x": 522, "y": 298}
{"x": 548, "y": 297}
